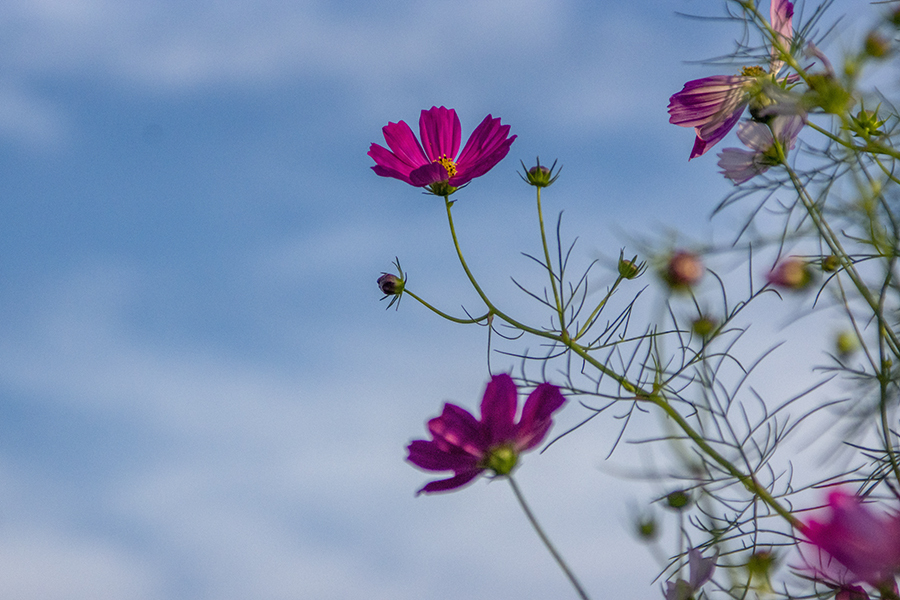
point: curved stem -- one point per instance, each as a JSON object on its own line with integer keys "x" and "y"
{"x": 537, "y": 528}
{"x": 444, "y": 315}
{"x": 653, "y": 397}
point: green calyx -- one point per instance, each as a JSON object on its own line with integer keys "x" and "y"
{"x": 502, "y": 459}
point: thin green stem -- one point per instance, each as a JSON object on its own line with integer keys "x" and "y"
{"x": 537, "y": 528}
{"x": 653, "y": 397}
{"x": 834, "y": 244}
{"x": 444, "y": 315}
{"x": 559, "y": 307}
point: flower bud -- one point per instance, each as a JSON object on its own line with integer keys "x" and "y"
{"x": 646, "y": 528}
{"x": 867, "y": 123}
{"x": 704, "y": 326}
{"x": 876, "y": 45}
{"x": 791, "y": 273}
{"x": 683, "y": 270}
{"x": 630, "y": 269}
{"x": 846, "y": 343}
{"x": 760, "y": 565}
{"x": 679, "y": 500}
{"x": 539, "y": 175}
{"x": 831, "y": 263}
{"x": 390, "y": 284}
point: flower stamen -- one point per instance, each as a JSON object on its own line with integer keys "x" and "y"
{"x": 449, "y": 165}
{"x": 754, "y": 71}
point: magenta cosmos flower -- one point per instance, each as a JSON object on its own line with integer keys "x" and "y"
{"x": 469, "y": 447}
{"x": 436, "y": 163}
{"x": 713, "y": 105}
{"x": 868, "y": 545}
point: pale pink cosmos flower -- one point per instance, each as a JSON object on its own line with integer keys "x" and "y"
{"x": 742, "y": 165}
{"x": 437, "y": 163}
{"x": 713, "y": 105}
{"x": 469, "y": 447}
{"x": 865, "y": 543}
{"x": 700, "y": 571}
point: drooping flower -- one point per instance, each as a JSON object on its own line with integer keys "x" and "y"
{"x": 865, "y": 543}
{"x": 469, "y": 447}
{"x": 436, "y": 163}
{"x": 713, "y": 105}
{"x": 700, "y": 571}
{"x": 741, "y": 165}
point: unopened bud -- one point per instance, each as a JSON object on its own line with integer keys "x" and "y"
{"x": 678, "y": 500}
{"x": 390, "y": 284}
{"x": 647, "y": 529}
{"x": 831, "y": 263}
{"x": 704, "y": 326}
{"x": 539, "y": 175}
{"x": 876, "y": 45}
{"x": 792, "y": 274}
{"x": 846, "y": 343}
{"x": 630, "y": 269}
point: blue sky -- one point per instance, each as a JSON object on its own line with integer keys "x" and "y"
{"x": 200, "y": 393}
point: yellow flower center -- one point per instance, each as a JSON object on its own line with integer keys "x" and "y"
{"x": 755, "y": 71}
{"x": 448, "y": 164}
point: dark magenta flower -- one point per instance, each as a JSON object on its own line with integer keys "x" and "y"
{"x": 436, "y": 163}
{"x": 469, "y": 447}
{"x": 713, "y": 105}
{"x": 867, "y": 544}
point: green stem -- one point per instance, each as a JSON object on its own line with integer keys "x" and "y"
{"x": 559, "y": 307}
{"x": 639, "y": 394}
{"x": 444, "y": 315}
{"x": 537, "y": 528}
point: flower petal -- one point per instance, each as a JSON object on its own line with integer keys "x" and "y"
{"x": 457, "y": 481}
{"x": 708, "y": 100}
{"x": 456, "y": 428}
{"x": 430, "y": 173}
{"x": 537, "y": 415}
{"x": 739, "y": 165}
{"x": 441, "y": 132}
{"x": 403, "y": 143}
{"x": 388, "y": 165}
{"x": 498, "y": 410}
{"x": 432, "y": 457}
{"x": 756, "y": 136}
{"x": 706, "y": 140}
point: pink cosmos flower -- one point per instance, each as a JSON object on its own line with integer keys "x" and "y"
{"x": 713, "y": 105}
{"x": 867, "y": 544}
{"x": 468, "y": 447}
{"x": 436, "y": 163}
{"x": 742, "y": 165}
{"x": 700, "y": 571}
{"x": 792, "y": 273}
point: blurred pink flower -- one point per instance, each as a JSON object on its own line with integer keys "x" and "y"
{"x": 468, "y": 447}
{"x": 436, "y": 163}
{"x": 742, "y": 165}
{"x": 713, "y": 105}
{"x": 791, "y": 273}
{"x": 868, "y": 545}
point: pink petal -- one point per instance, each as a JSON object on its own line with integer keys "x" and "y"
{"x": 537, "y": 414}
{"x": 457, "y": 481}
{"x": 441, "y": 133}
{"x": 498, "y": 409}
